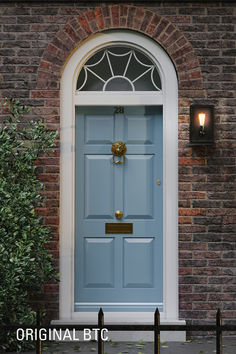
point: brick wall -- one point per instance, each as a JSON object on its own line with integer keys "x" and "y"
{"x": 200, "y": 38}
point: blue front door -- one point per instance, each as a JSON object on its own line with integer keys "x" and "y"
{"x": 120, "y": 272}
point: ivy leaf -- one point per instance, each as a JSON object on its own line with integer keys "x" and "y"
{"x": 25, "y": 263}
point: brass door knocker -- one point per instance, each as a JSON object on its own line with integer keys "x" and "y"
{"x": 118, "y": 149}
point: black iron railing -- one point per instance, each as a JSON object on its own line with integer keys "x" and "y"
{"x": 218, "y": 328}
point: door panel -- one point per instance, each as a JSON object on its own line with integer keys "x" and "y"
{"x": 99, "y": 196}
{"x": 93, "y": 132}
{"x": 138, "y": 189}
{"x": 138, "y": 273}
{"x": 121, "y": 271}
{"x": 138, "y": 129}
{"x": 99, "y": 262}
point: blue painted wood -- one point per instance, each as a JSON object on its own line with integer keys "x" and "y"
{"x": 139, "y": 272}
{"x": 99, "y": 265}
{"x": 119, "y": 272}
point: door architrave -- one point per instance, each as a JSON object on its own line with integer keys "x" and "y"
{"x": 69, "y": 99}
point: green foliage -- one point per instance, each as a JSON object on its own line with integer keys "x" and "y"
{"x": 25, "y": 264}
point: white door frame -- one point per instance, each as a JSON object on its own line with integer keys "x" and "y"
{"x": 168, "y": 97}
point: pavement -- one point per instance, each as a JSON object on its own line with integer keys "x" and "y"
{"x": 195, "y": 346}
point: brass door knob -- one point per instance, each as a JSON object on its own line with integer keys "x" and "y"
{"x": 119, "y": 214}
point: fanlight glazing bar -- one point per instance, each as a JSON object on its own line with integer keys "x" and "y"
{"x": 105, "y": 68}
{"x": 95, "y": 74}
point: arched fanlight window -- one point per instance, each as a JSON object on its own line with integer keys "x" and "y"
{"x": 117, "y": 68}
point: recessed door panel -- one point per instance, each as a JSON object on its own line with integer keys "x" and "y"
{"x": 93, "y": 132}
{"x": 138, "y": 263}
{"x": 139, "y": 129}
{"x": 138, "y": 191}
{"x": 98, "y": 182}
{"x": 98, "y": 262}
{"x": 118, "y": 271}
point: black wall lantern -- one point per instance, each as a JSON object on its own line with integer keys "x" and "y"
{"x": 201, "y": 125}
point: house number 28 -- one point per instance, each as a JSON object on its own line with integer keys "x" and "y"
{"x": 118, "y": 110}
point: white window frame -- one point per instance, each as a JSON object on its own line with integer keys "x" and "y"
{"x": 168, "y": 97}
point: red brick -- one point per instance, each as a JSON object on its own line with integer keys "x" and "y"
{"x": 52, "y": 220}
{"x": 45, "y": 94}
{"x": 84, "y": 24}
{"x": 123, "y": 10}
{"x": 47, "y": 211}
{"x": 51, "y": 194}
{"x": 107, "y": 23}
{"x": 193, "y": 246}
{"x": 185, "y": 220}
{"x": 115, "y": 15}
{"x": 162, "y": 25}
{"x": 90, "y": 15}
{"x": 131, "y": 16}
{"x": 207, "y": 271}
{"x": 93, "y": 26}
{"x": 48, "y": 177}
{"x": 52, "y": 203}
{"x": 185, "y": 187}
{"x": 191, "y": 212}
{"x": 156, "y": 19}
{"x": 173, "y": 38}
{"x": 106, "y": 11}
{"x": 150, "y": 29}
{"x": 194, "y": 314}
{"x": 206, "y": 306}
{"x": 183, "y": 288}
{"x": 146, "y": 20}
{"x": 73, "y": 35}
{"x": 99, "y": 18}
{"x": 185, "y": 271}
{"x": 204, "y": 255}
{"x": 193, "y": 297}
{"x": 190, "y": 161}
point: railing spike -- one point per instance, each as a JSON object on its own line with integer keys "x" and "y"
{"x": 38, "y": 324}
{"x": 219, "y": 347}
{"x": 100, "y": 313}
{"x": 157, "y": 332}
{"x": 100, "y": 324}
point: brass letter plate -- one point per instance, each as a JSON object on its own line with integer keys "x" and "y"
{"x": 119, "y": 228}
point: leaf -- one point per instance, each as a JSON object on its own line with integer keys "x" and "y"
{"x": 25, "y": 262}
{"x": 141, "y": 341}
{"x": 114, "y": 344}
{"x": 76, "y": 348}
{"x": 140, "y": 346}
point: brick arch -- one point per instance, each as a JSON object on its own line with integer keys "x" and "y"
{"x": 47, "y": 90}
{"x": 119, "y": 16}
